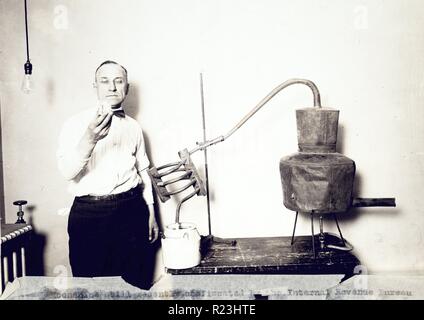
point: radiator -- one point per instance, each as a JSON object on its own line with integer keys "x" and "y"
{"x": 14, "y": 241}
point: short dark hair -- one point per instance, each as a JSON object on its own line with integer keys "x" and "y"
{"x": 110, "y": 62}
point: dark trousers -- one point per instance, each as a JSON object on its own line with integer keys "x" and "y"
{"x": 110, "y": 238}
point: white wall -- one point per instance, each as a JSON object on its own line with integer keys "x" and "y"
{"x": 2, "y": 213}
{"x": 365, "y": 56}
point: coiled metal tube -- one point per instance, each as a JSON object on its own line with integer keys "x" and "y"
{"x": 177, "y": 216}
{"x": 182, "y": 188}
{"x": 185, "y": 175}
{"x": 175, "y": 166}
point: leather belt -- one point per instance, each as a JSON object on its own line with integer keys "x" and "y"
{"x": 127, "y": 194}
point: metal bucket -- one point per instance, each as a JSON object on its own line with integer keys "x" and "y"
{"x": 181, "y": 246}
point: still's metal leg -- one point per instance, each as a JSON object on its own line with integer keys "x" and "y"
{"x": 340, "y": 232}
{"x": 313, "y": 239}
{"x": 294, "y": 229}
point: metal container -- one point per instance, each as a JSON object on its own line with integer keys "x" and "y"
{"x": 181, "y": 246}
{"x": 317, "y": 179}
{"x": 317, "y": 129}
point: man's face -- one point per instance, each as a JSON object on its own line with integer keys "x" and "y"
{"x": 111, "y": 85}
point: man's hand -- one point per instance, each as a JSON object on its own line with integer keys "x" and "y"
{"x": 99, "y": 127}
{"x": 153, "y": 225}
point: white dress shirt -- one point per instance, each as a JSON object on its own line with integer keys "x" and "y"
{"x": 117, "y": 163}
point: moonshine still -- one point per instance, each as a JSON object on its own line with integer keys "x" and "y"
{"x": 316, "y": 181}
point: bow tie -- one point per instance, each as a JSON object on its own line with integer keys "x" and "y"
{"x": 119, "y": 113}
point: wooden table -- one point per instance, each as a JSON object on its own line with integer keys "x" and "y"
{"x": 273, "y": 255}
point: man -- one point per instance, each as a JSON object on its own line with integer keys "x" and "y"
{"x": 102, "y": 153}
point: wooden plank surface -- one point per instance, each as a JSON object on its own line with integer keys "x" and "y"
{"x": 273, "y": 255}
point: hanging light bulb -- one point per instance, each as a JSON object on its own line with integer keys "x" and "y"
{"x": 27, "y": 83}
